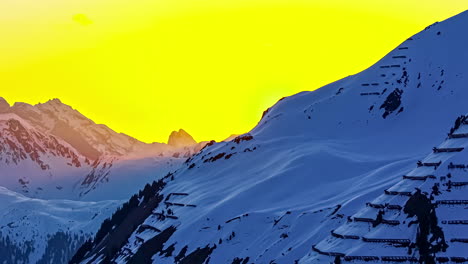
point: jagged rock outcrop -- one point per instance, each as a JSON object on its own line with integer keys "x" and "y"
{"x": 181, "y": 139}
{"x": 4, "y": 106}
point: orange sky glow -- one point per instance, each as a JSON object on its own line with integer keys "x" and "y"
{"x": 211, "y": 67}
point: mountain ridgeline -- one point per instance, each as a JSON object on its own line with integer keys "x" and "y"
{"x": 49, "y": 150}
{"x": 62, "y": 174}
{"x": 369, "y": 168}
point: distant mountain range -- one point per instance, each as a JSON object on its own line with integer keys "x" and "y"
{"x": 53, "y": 144}
{"x": 369, "y": 168}
{"x": 64, "y": 174}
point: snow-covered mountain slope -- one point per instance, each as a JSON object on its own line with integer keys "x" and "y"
{"x": 64, "y": 175}
{"x": 422, "y": 218}
{"x": 122, "y": 178}
{"x": 30, "y": 225}
{"x": 313, "y": 160}
{"x": 31, "y": 160}
{"x": 38, "y": 164}
{"x": 41, "y": 165}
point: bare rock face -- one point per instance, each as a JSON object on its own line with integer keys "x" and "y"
{"x": 181, "y": 139}
{"x": 4, "y": 105}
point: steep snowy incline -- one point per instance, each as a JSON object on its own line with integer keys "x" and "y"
{"x": 268, "y": 196}
{"x": 31, "y": 224}
{"x": 120, "y": 179}
{"x": 41, "y": 165}
{"x": 28, "y": 156}
{"x": 420, "y": 84}
{"x": 421, "y": 219}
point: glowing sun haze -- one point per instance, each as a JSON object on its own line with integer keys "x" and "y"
{"x": 147, "y": 67}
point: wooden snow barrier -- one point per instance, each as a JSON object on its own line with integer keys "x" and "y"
{"x": 363, "y": 258}
{"x": 146, "y": 227}
{"x": 394, "y": 207}
{"x": 403, "y": 193}
{"x": 456, "y": 166}
{"x": 458, "y": 184}
{"x": 395, "y": 66}
{"x": 404, "y": 242}
{"x": 163, "y": 216}
{"x": 458, "y": 259}
{"x": 179, "y": 194}
{"x": 179, "y": 204}
{"x": 365, "y": 84}
{"x": 452, "y": 202}
{"x": 334, "y": 254}
{"x": 390, "y": 222}
{"x": 363, "y": 219}
{"x": 351, "y": 237}
{"x": 418, "y": 178}
{"x": 398, "y": 258}
{"x": 429, "y": 164}
{"x": 376, "y": 206}
{"x": 442, "y": 259}
{"x": 334, "y": 234}
{"x": 139, "y": 239}
{"x": 375, "y": 84}
{"x": 383, "y": 206}
{"x": 232, "y": 219}
{"x": 173, "y": 204}
{"x": 370, "y": 220}
{"x": 464, "y": 135}
{"x": 452, "y": 259}
{"x": 403, "y": 48}
{"x": 461, "y": 240}
{"x": 385, "y": 66}
{"x": 455, "y": 222}
{"x": 175, "y": 194}
{"x": 447, "y": 150}
{"x": 399, "y": 57}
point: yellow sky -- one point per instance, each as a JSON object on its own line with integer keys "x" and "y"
{"x": 147, "y": 67}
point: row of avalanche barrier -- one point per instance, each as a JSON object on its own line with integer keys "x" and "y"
{"x": 395, "y": 237}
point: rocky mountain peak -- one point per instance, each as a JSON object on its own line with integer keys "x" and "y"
{"x": 4, "y": 105}
{"x": 180, "y": 139}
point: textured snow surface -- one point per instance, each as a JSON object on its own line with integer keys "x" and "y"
{"x": 25, "y": 220}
